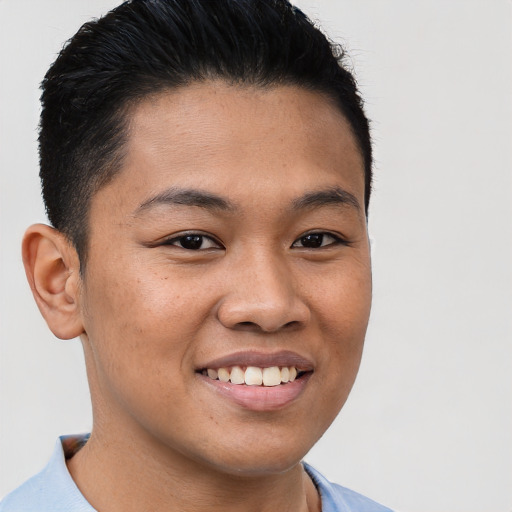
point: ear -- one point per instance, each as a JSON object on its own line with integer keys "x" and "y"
{"x": 53, "y": 272}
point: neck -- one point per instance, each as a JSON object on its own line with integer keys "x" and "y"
{"x": 118, "y": 474}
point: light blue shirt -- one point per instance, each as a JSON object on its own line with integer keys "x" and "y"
{"x": 53, "y": 490}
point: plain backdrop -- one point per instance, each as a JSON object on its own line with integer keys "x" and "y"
{"x": 428, "y": 427}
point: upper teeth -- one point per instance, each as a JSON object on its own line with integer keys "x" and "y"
{"x": 254, "y": 376}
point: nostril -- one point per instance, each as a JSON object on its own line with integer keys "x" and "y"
{"x": 291, "y": 325}
{"x": 254, "y": 326}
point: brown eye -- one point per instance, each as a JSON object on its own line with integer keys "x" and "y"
{"x": 193, "y": 242}
{"x": 317, "y": 240}
{"x": 312, "y": 241}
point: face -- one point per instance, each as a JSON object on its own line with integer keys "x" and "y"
{"x": 232, "y": 246}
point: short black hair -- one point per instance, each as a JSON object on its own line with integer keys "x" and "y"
{"x": 144, "y": 47}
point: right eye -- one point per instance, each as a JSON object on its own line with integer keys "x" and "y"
{"x": 193, "y": 242}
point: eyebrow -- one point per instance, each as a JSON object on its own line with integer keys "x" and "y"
{"x": 187, "y": 197}
{"x": 330, "y": 196}
{"x": 213, "y": 202}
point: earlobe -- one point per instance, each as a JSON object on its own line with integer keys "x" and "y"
{"x": 53, "y": 272}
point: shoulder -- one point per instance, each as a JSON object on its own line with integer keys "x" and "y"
{"x": 51, "y": 490}
{"x": 30, "y": 496}
{"x": 336, "y": 498}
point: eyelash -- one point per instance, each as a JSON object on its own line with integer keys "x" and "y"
{"x": 200, "y": 238}
{"x": 337, "y": 239}
{"x": 179, "y": 240}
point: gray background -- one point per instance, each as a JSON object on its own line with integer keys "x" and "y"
{"x": 428, "y": 427}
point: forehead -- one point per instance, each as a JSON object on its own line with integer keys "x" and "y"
{"x": 238, "y": 140}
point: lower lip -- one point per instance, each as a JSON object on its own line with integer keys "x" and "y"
{"x": 259, "y": 398}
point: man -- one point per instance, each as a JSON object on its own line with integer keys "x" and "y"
{"x": 206, "y": 168}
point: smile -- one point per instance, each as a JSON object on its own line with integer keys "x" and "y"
{"x": 254, "y": 375}
{"x": 258, "y": 381}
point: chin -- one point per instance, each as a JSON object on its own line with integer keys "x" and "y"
{"x": 265, "y": 459}
{"x": 261, "y": 468}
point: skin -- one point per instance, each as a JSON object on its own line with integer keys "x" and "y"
{"x": 151, "y": 312}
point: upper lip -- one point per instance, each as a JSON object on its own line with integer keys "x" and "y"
{"x": 261, "y": 360}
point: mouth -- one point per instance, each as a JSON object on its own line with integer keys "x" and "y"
{"x": 269, "y": 376}
{"x": 256, "y": 381}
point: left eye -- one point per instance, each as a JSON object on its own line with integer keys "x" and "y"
{"x": 316, "y": 240}
{"x": 193, "y": 242}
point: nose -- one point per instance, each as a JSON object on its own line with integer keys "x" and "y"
{"x": 262, "y": 295}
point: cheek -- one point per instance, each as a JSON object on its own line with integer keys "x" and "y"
{"x": 137, "y": 336}
{"x": 131, "y": 299}
{"x": 343, "y": 302}
{"x": 121, "y": 319}
{"x": 143, "y": 318}
{"x": 343, "y": 312}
